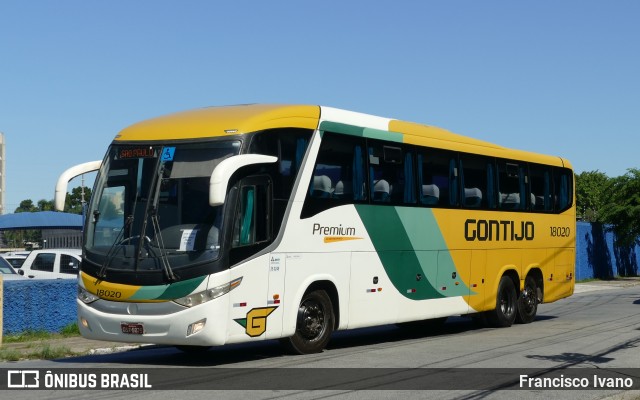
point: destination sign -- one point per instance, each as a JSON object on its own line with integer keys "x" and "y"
{"x": 125, "y": 153}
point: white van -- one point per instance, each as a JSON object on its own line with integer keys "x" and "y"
{"x": 52, "y": 264}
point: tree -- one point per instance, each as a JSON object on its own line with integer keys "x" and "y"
{"x": 73, "y": 203}
{"x": 45, "y": 205}
{"x": 26, "y": 206}
{"x": 592, "y": 193}
{"x": 622, "y": 209}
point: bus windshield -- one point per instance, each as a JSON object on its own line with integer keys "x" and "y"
{"x": 150, "y": 209}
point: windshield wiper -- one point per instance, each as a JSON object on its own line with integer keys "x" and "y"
{"x": 109, "y": 256}
{"x": 164, "y": 258}
{"x": 152, "y": 212}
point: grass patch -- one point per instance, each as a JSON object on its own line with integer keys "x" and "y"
{"x": 31, "y": 335}
{"x": 10, "y": 355}
{"x": 42, "y": 352}
{"x": 35, "y": 344}
{"x": 49, "y": 353}
{"x": 70, "y": 330}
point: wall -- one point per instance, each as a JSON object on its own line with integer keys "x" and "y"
{"x": 50, "y": 304}
{"x": 47, "y": 304}
{"x": 598, "y": 257}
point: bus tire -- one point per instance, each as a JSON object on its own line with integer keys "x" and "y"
{"x": 314, "y": 326}
{"x": 506, "y": 304}
{"x": 528, "y": 302}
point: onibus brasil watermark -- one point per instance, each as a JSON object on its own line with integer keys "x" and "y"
{"x": 32, "y": 379}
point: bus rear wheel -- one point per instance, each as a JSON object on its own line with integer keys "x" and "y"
{"x": 315, "y": 323}
{"x": 528, "y": 302}
{"x": 506, "y": 305}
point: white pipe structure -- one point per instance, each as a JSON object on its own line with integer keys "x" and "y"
{"x": 63, "y": 181}
{"x": 223, "y": 171}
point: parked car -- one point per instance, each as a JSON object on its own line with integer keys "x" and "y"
{"x": 52, "y": 264}
{"x": 16, "y": 259}
{"x": 7, "y": 271}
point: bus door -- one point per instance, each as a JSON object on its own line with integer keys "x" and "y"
{"x": 250, "y": 235}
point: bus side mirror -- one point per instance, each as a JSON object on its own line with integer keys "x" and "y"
{"x": 227, "y": 167}
{"x": 63, "y": 181}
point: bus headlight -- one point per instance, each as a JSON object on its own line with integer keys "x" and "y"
{"x": 209, "y": 294}
{"x": 85, "y": 296}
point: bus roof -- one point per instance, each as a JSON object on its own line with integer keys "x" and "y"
{"x": 221, "y": 121}
{"x": 242, "y": 119}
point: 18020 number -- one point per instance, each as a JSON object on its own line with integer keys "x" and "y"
{"x": 560, "y": 231}
{"x": 110, "y": 294}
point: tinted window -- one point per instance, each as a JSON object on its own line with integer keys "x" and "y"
{"x": 69, "y": 264}
{"x": 391, "y": 176}
{"x": 477, "y": 181}
{"x": 563, "y": 188}
{"x": 44, "y": 262}
{"x": 438, "y": 178}
{"x": 511, "y": 186}
{"x": 541, "y": 188}
{"x": 290, "y": 146}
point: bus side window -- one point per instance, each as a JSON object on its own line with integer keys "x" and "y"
{"x": 541, "y": 189}
{"x": 391, "y": 173}
{"x": 290, "y": 146}
{"x": 475, "y": 178}
{"x": 511, "y": 186}
{"x": 437, "y": 178}
{"x": 563, "y": 188}
{"x": 339, "y": 175}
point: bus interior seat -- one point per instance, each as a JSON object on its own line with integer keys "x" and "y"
{"x": 381, "y": 191}
{"x": 472, "y": 197}
{"x": 321, "y": 186}
{"x": 510, "y": 201}
{"x": 430, "y": 195}
{"x": 539, "y": 203}
{"x": 344, "y": 189}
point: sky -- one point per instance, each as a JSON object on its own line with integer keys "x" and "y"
{"x": 554, "y": 77}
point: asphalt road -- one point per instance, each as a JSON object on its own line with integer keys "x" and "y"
{"x": 597, "y": 330}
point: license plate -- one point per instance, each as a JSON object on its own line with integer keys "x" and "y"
{"x": 132, "y": 328}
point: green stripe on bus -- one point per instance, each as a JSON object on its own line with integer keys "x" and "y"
{"x": 425, "y": 236}
{"x": 401, "y": 263}
{"x": 341, "y": 128}
{"x": 168, "y": 292}
{"x": 328, "y": 126}
{"x": 412, "y": 251}
{"x": 383, "y": 135}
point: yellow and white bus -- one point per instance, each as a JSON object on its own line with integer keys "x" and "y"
{"x": 253, "y": 222}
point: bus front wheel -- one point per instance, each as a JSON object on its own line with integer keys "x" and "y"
{"x": 314, "y": 324}
{"x": 506, "y": 304}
